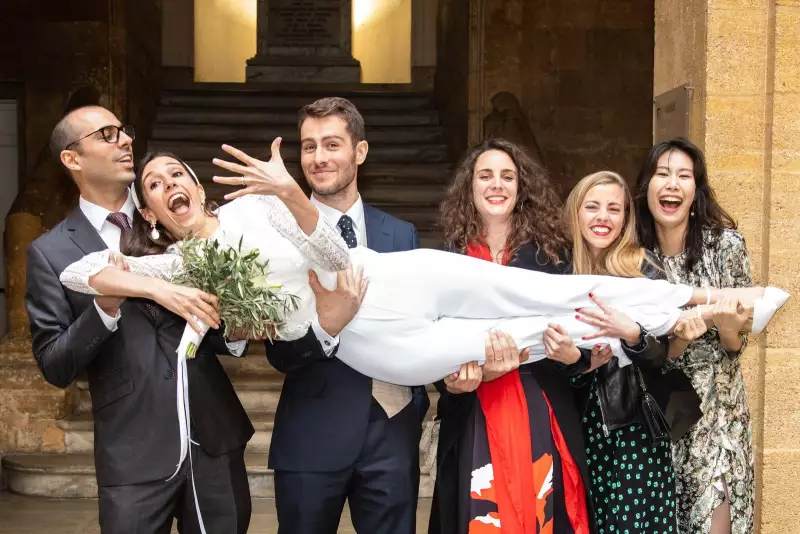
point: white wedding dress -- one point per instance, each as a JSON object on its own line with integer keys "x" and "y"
{"x": 426, "y": 311}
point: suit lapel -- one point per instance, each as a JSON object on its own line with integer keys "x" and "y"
{"x": 83, "y": 234}
{"x": 88, "y": 240}
{"x": 380, "y": 236}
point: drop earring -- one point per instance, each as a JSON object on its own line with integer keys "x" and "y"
{"x": 154, "y": 233}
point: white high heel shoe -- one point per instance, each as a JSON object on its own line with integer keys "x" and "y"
{"x": 765, "y": 307}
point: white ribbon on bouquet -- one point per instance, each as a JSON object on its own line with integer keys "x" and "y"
{"x": 187, "y": 348}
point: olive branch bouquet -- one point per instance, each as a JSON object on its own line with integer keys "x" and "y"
{"x": 247, "y": 301}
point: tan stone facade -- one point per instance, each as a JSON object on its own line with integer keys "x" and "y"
{"x": 742, "y": 57}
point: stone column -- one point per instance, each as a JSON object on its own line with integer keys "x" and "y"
{"x": 177, "y": 41}
{"x": 115, "y": 57}
{"x": 423, "y": 42}
{"x": 742, "y": 60}
{"x": 304, "y": 41}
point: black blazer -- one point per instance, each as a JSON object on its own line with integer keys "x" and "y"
{"x": 322, "y": 415}
{"x": 454, "y": 410}
{"x": 131, "y": 370}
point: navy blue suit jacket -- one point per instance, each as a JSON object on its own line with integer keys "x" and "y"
{"x": 322, "y": 415}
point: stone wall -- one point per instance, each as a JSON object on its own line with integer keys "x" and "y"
{"x": 453, "y": 70}
{"x": 781, "y": 258}
{"x": 583, "y": 72}
{"x": 55, "y": 48}
{"x": 742, "y": 58}
{"x": 680, "y": 52}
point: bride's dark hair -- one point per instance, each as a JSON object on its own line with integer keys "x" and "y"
{"x": 138, "y": 242}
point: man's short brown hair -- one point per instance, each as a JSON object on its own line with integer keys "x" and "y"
{"x": 335, "y": 106}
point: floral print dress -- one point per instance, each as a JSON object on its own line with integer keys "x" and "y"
{"x": 718, "y": 449}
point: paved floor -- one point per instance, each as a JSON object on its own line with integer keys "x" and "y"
{"x": 27, "y": 515}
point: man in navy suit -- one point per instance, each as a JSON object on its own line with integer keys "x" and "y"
{"x": 340, "y": 435}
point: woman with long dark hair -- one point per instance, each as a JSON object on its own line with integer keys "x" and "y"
{"x": 680, "y": 220}
{"x": 503, "y": 427}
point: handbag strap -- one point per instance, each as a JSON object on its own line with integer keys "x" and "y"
{"x": 640, "y": 378}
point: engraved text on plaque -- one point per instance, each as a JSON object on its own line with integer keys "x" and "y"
{"x": 304, "y": 23}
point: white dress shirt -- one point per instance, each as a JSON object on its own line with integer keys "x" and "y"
{"x": 356, "y": 212}
{"x": 110, "y": 234}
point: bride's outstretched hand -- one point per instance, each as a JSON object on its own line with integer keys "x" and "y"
{"x": 256, "y": 177}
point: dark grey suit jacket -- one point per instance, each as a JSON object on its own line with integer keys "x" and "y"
{"x": 131, "y": 370}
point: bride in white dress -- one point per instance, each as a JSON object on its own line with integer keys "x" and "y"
{"x": 426, "y": 312}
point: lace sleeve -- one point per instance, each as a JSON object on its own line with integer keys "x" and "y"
{"x": 324, "y": 247}
{"x": 292, "y": 331}
{"x": 76, "y": 276}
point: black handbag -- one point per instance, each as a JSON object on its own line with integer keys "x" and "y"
{"x": 653, "y": 420}
{"x": 670, "y": 406}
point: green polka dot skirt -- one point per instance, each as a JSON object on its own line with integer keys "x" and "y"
{"x": 632, "y": 482}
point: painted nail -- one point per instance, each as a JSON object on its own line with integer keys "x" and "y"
{"x": 591, "y": 294}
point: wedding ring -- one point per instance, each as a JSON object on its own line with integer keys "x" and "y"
{"x": 242, "y": 178}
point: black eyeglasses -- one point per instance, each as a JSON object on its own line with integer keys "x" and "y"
{"x": 110, "y": 134}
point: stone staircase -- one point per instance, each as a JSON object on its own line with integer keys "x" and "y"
{"x": 71, "y": 475}
{"x": 406, "y": 174}
{"x": 406, "y": 171}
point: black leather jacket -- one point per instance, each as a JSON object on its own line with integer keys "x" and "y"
{"x": 618, "y": 389}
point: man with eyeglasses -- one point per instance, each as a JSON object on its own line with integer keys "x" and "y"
{"x": 128, "y": 351}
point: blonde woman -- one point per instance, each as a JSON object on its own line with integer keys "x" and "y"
{"x": 631, "y": 479}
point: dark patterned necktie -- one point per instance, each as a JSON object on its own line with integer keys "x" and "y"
{"x": 345, "y": 224}
{"x": 120, "y": 220}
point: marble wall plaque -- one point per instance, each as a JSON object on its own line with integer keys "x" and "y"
{"x": 304, "y": 23}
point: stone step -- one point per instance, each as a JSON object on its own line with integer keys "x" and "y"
{"x": 295, "y": 99}
{"x": 79, "y": 432}
{"x": 389, "y": 173}
{"x": 427, "y": 195}
{"x": 258, "y": 391}
{"x": 317, "y": 88}
{"x": 245, "y": 117}
{"x": 72, "y": 476}
{"x": 384, "y": 153}
{"x": 265, "y": 133}
{"x": 255, "y": 364}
